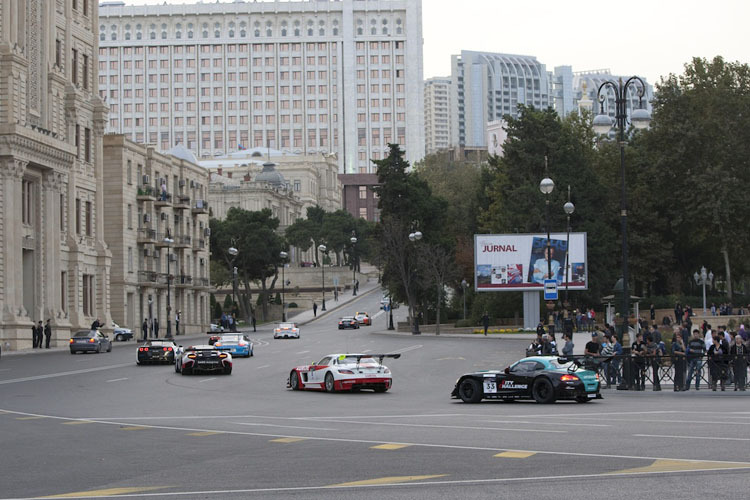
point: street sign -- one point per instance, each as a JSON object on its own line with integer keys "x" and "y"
{"x": 550, "y": 289}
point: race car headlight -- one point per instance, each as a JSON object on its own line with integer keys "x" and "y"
{"x": 569, "y": 378}
{"x": 386, "y": 371}
{"x": 348, "y": 372}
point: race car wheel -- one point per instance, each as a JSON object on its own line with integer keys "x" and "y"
{"x": 228, "y": 371}
{"x": 294, "y": 381}
{"x": 381, "y": 388}
{"x": 329, "y": 382}
{"x": 187, "y": 371}
{"x": 109, "y": 349}
{"x": 542, "y": 391}
{"x": 470, "y": 391}
{"x": 583, "y": 399}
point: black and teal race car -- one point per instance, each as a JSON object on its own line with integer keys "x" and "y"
{"x": 544, "y": 379}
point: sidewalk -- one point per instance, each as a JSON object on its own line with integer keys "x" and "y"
{"x": 345, "y": 298}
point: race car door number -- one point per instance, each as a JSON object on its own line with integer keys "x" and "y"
{"x": 490, "y": 386}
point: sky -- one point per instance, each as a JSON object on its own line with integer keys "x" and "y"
{"x": 650, "y": 38}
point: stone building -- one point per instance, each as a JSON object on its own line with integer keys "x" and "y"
{"x": 156, "y": 226}
{"x": 54, "y": 263}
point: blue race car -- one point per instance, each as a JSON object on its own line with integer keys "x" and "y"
{"x": 541, "y": 378}
{"x": 235, "y": 343}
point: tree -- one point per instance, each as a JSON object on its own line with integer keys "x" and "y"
{"x": 255, "y": 235}
{"x": 438, "y": 269}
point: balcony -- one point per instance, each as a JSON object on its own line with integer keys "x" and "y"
{"x": 182, "y": 202}
{"x": 159, "y": 242}
{"x": 146, "y": 193}
{"x": 199, "y": 244}
{"x": 147, "y": 277}
{"x": 183, "y": 281}
{"x": 182, "y": 241}
{"x": 163, "y": 200}
{"x": 200, "y": 282}
{"x": 200, "y": 207}
{"x": 146, "y": 235}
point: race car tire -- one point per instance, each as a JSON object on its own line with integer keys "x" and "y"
{"x": 98, "y": 348}
{"x": 583, "y": 399}
{"x": 73, "y": 352}
{"x": 109, "y": 349}
{"x": 381, "y": 389}
{"x": 227, "y": 371}
{"x": 294, "y": 381}
{"x": 187, "y": 371}
{"x": 329, "y": 382}
{"x": 470, "y": 391}
{"x": 542, "y": 391}
{"x": 119, "y": 337}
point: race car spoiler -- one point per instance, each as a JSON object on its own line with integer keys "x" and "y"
{"x": 380, "y": 357}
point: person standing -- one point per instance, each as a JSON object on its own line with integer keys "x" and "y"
{"x": 678, "y": 360}
{"x": 47, "y": 334}
{"x": 639, "y": 362}
{"x": 738, "y": 355}
{"x": 652, "y": 354}
{"x": 717, "y": 363}
{"x": 568, "y": 347}
{"x": 315, "y": 310}
{"x": 144, "y": 328}
{"x": 35, "y": 336}
{"x": 696, "y": 348}
{"x": 177, "y": 322}
{"x": 252, "y": 319}
{"x": 156, "y": 328}
{"x": 485, "y": 322}
{"x": 652, "y": 310}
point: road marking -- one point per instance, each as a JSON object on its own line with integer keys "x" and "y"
{"x": 207, "y": 380}
{"x": 387, "y": 416}
{"x": 4, "y": 369}
{"x": 63, "y": 374}
{"x": 387, "y": 480}
{"x": 407, "y": 349}
{"x": 264, "y": 366}
{"x": 134, "y": 428}
{"x": 366, "y": 351}
{"x": 79, "y": 422}
{"x": 108, "y": 492}
{"x": 681, "y": 466}
{"x": 446, "y": 359}
{"x": 117, "y": 379}
{"x": 287, "y": 440}
{"x": 378, "y": 314}
{"x": 562, "y": 424}
{"x": 670, "y": 421}
{"x": 435, "y": 426}
{"x": 692, "y": 437}
{"x": 389, "y": 446}
{"x": 515, "y": 454}
{"x": 206, "y": 433}
{"x": 286, "y": 426}
{"x": 303, "y": 352}
{"x": 29, "y": 418}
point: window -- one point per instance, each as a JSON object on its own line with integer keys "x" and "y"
{"x": 363, "y": 211}
{"x": 130, "y": 259}
{"x": 27, "y": 201}
{"x": 130, "y": 216}
{"x": 58, "y": 53}
{"x": 74, "y": 69}
{"x": 63, "y": 291}
{"x": 88, "y": 294}
{"x": 87, "y": 144}
{"x": 78, "y": 216}
{"x": 62, "y": 212}
{"x": 362, "y": 192}
{"x": 89, "y": 218}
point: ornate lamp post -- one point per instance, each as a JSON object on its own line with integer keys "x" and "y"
{"x": 640, "y": 119}
{"x": 283, "y": 256}
{"x": 353, "y": 239}
{"x": 414, "y": 237}
{"x": 464, "y": 286}
{"x": 322, "y": 249}
{"x": 169, "y": 241}
{"x": 569, "y": 208}
{"x": 233, "y": 252}
{"x": 703, "y": 279}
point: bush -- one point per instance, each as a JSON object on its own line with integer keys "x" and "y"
{"x": 291, "y": 305}
{"x": 462, "y": 323}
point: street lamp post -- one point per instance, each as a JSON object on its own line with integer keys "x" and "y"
{"x": 414, "y": 237}
{"x": 353, "y": 239}
{"x": 464, "y": 285}
{"x": 702, "y": 279}
{"x": 169, "y": 241}
{"x": 569, "y": 208}
{"x": 323, "y": 249}
{"x": 546, "y": 187}
{"x": 233, "y": 252}
{"x": 150, "y": 317}
{"x": 390, "y": 314}
{"x": 283, "y": 256}
{"x": 602, "y": 124}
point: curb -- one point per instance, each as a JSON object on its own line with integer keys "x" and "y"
{"x": 509, "y": 336}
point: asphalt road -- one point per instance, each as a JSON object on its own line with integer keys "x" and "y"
{"x": 97, "y": 425}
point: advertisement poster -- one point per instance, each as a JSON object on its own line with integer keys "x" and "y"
{"x": 515, "y": 262}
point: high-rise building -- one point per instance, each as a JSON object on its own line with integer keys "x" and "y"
{"x": 54, "y": 263}
{"x": 303, "y": 76}
{"x": 487, "y": 86}
{"x": 437, "y": 114}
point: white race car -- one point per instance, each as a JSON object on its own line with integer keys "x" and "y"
{"x": 286, "y": 331}
{"x": 344, "y": 372}
{"x": 202, "y": 359}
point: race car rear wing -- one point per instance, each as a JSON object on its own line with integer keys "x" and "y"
{"x": 380, "y": 357}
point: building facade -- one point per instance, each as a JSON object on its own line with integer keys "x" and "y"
{"x": 586, "y": 85}
{"x": 156, "y": 226}
{"x": 301, "y": 76}
{"x": 360, "y": 199}
{"x": 437, "y": 114}
{"x": 54, "y": 263}
{"x": 487, "y": 86}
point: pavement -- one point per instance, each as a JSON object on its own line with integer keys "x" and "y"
{"x": 99, "y": 426}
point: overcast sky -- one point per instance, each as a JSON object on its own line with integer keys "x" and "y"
{"x": 650, "y": 38}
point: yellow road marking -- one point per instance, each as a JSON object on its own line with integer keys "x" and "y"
{"x": 109, "y": 492}
{"x": 389, "y": 446}
{"x": 78, "y": 422}
{"x": 133, "y": 428}
{"x": 515, "y": 454}
{"x": 29, "y": 418}
{"x": 682, "y": 465}
{"x": 287, "y": 440}
{"x": 207, "y": 433}
{"x": 387, "y": 480}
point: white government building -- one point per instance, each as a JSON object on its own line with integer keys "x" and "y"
{"x": 304, "y": 77}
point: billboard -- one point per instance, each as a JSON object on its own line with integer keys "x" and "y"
{"x": 519, "y": 262}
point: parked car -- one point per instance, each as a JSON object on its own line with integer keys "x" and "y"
{"x": 120, "y": 333}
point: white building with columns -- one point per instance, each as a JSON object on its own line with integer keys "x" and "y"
{"x": 54, "y": 263}
{"x": 303, "y": 77}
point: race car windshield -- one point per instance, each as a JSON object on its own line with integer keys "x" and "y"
{"x": 83, "y": 334}
{"x": 353, "y": 360}
{"x": 230, "y": 338}
{"x": 286, "y": 325}
{"x": 556, "y": 364}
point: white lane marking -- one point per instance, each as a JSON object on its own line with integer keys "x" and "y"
{"x": 652, "y": 421}
{"x": 692, "y": 437}
{"x": 387, "y": 416}
{"x": 433, "y": 426}
{"x": 262, "y": 366}
{"x": 366, "y": 351}
{"x": 4, "y": 369}
{"x": 367, "y": 441}
{"x": 407, "y": 349}
{"x": 286, "y": 426}
{"x": 275, "y": 417}
{"x": 378, "y": 314}
{"x": 207, "y": 380}
{"x": 562, "y": 424}
{"x": 117, "y": 379}
{"x": 303, "y": 352}
{"x": 63, "y": 374}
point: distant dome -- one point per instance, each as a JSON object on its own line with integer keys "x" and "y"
{"x": 270, "y": 175}
{"x": 179, "y": 151}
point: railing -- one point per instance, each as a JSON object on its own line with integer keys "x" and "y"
{"x": 203, "y": 282}
{"x": 147, "y": 277}
{"x": 199, "y": 243}
{"x": 200, "y": 206}
{"x": 182, "y": 241}
{"x": 182, "y": 201}
{"x": 183, "y": 280}
{"x": 163, "y": 198}
{"x": 145, "y": 191}
{"x": 146, "y": 234}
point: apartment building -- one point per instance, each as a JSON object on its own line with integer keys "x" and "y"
{"x": 437, "y": 114}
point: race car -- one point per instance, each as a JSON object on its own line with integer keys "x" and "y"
{"x": 344, "y": 372}
{"x": 202, "y": 358}
{"x": 235, "y": 343}
{"x": 543, "y": 379}
{"x": 348, "y": 322}
{"x": 363, "y": 318}
{"x": 215, "y": 328}
{"x": 286, "y": 331}
{"x": 156, "y": 351}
